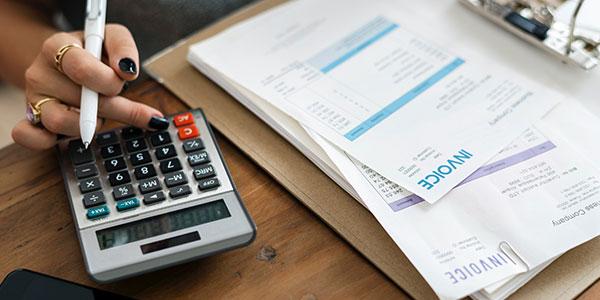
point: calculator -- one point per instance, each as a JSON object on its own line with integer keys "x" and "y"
{"x": 146, "y": 200}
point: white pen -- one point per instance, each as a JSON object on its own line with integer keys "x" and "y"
{"x": 94, "y": 36}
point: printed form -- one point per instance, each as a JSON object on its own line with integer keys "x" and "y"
{"x": 417, "y": 113}
{"x": 536, "y": 199}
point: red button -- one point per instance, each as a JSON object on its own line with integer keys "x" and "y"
{"x": 188, "y": 132}
{"x": 183, "y": 119}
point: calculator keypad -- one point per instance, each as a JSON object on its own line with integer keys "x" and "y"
{"x": 150, "y": 185}
{"x": 175, "y": 179}
{"x": 154, "y": 197}
{"x": 170, "y": 165}
{"x": 110, "y": 151}
{"x": 131, "y": 158}
{"x": 90, "y": 185}
{"x": 135, "y": 145}
{"x": 80, "y": 155}
{"x": 140, "y": 158}
{"x": 122, "y": 192}
{"x": 193, "y": 145}
{"x": 160, "y": 138}
{"x": 119, "y": 178}
{"x": 146, "y": 171}
{"x": 114, "y": 164}
{"x": 165, "y": 152}
{"x": 86, "y": 171}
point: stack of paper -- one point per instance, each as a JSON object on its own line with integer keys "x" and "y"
{"x": 474, "y": 170}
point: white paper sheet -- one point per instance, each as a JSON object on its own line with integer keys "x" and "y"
{"x": 367, "y": 82}
{"x": 540, "y": 196}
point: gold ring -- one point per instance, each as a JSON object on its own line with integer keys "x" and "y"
{"x": 60, "y": 54}
{"x": 34, "y": 111}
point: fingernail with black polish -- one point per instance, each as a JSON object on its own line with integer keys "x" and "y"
{"x": 158, "y": 123}
{"x": 128, "y": 65}
{"x": 125, "y": 86}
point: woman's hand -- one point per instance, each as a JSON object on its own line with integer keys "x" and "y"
{"x": 107, "y": 77}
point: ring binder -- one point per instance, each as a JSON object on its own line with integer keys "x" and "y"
{"x": 534, "y": 22}
{"x": 503, "y": 249}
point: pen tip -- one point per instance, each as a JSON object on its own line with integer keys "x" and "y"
{"x": 86, "y": 144}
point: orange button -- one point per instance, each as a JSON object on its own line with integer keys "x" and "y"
{"x": 183, "y": 119}
{"x": 188, "y": 132}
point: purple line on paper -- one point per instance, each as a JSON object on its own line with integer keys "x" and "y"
{"x": 483, "y": 171}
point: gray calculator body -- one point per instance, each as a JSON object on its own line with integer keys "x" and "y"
{"x": 151, "y": 222}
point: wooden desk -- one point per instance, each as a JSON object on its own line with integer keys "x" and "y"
{"x": 311, "y": 262}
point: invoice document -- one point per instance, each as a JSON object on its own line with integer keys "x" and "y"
{"x": 419, "y": 113}
{"x": 536, "y": 199}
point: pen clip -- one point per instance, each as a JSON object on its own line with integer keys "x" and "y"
{"x": 504, "y": 246}
{"x": 93, "y": 9}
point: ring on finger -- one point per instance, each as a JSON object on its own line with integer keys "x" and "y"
{"x": 34, "y": 111}
{"x": 61, "y": 53}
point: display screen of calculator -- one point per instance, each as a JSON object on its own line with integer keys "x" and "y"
{"x": 173, "y": 221}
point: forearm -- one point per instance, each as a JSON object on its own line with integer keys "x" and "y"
{"x": 23, "y": 29}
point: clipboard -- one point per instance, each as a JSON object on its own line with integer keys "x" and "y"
{"x": 567, "y": 277}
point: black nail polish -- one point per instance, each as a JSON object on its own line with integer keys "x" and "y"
{"x": 125, "y": 86}
{"x": 128, "y": 65}
{"x": 158, "y": 123}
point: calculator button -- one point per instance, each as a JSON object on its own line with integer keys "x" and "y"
{"x": 198, "y": 158}
{"x": 90, "y": 185}
{"x": 150, "y": 185}
{"x": 80, "y": 155}
{"x": 165, "y": 152}
{"x": 146, "y": 171}
{"x": 93, "y": 199}
{"x": 86, "y": 171}
{"x": 174, "y": 179}
{"x": 93, "y": 213}
{"x": 140, "y": 158}
{"x": 122, "y": 192}
{"x": 119, "y": 178}
{"x": 193, "y": 145}
{"x": 183, "y": 119}
{"x": 131, "y": 133}
{"x": 114, "y": 164}
{"x": 110, "y": 151}
{"x": 127, "y": 204}
{"x": 106, "y": 138}
{"x": 135, "y": 145}
{"x": 170, "y": 165}
{"x": 188, "y": 132}
{"x": 208, "y": 184}
{"x": 160, "y": 138}
{"x": 154, "y": 197}
{"x": 179, "y": 191}
{"x": 204, "y": 172}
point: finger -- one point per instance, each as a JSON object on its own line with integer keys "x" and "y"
{"x": 42, "y": 80}
{"x": 32, "y": 137}
{"x": 122, "y": 51}
{"x": 57, "y": 118}
{"x": 62, "y": 119}
{"x": 82, "y": 67}
{"x": 126, "y": 111}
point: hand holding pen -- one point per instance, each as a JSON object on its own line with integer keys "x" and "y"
{"x": 54, "y": 80}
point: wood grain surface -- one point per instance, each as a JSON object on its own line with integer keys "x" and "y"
{"x": 295, "y": 255}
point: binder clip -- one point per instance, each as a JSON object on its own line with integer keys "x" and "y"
{"x": 505, "y": 247}
{"x": 535, "y": 21}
